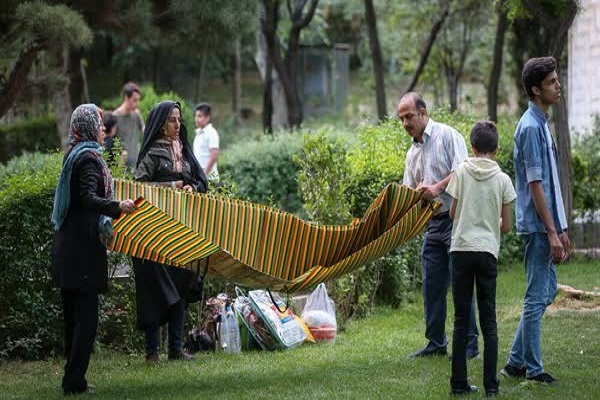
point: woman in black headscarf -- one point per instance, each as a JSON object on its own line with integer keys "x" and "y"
{"x": 166, "y": 159}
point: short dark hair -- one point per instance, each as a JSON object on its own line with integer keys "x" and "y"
{"x": 109, "y": 120}
{"x": 484, "y": 137}
{"x": 205, "y": 108}
{"x": 416, "y": 97}
{"x": 535, "y": 71}
{"x": 130, "y": 88}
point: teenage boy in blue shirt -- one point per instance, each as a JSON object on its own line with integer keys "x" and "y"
{"x": 540, "y": 215}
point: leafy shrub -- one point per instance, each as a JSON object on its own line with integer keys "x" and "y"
{"x": 339, "y": 178}
{"x": 30, "y": 311}
{"x": 37, "y": 134}
{"x": 586, "y": 169}
{"x": 323, "y": 165}
{"x": 376, "y": 158}
{"x": 25, "y": 163}
{"x": 464, "y": 123}
{"x": 264, "y": 170}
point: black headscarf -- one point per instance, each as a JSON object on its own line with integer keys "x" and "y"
{"x": 153, "y": 131}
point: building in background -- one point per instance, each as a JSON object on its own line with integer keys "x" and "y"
{"x": 584, "y": 67}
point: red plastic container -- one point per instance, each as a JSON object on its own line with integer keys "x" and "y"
{"x": 324, "y": 333}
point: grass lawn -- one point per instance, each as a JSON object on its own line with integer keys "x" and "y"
{"x": 369, "y": 361}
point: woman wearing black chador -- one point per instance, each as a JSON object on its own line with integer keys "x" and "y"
{"x": 166, "y": 159}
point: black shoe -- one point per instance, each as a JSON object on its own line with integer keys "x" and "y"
{"x": 513, "y": 372}
{"x": 152, "y": 358}
{"x": 179, "y": 355}
{"x": 543, "y": 378}
{"x": 492, "y": 392}
{"x": 463, "y": 391}
{"x": 425, "y": 352}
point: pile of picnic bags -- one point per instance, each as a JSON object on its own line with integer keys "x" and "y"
{"x": 262, "y": 320}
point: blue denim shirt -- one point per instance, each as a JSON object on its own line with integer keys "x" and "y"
{"x": 536, "y": 159}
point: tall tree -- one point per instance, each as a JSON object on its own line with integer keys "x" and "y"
{"x": 378, "y": 69}
{"x": 428, "y": 45}
{"x": 543, "y": 26}
{"x": 496, "y": 71}
{"x": 457, "y": 39}
{"x": 236, "y": 104}
{"x": 38, "y": 27}
{"x": 286, "y": 61}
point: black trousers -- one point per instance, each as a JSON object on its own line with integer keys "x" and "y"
{"x": 469, "y": 269}
{"x": 80, "y": 311}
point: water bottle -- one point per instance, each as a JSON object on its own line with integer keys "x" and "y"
{"x": 230, "y": 331}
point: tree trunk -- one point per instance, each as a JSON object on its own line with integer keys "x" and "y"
{"x": 287, "y": 68}
{"x": 237, "y": 83}
{"x": 18, "y": 76}
{"x": 492, "y": 94}
{"x": 563, "y": 143}
{"x": 86, "y": 90}
{"x": 75, "y": 78}
{"x": 276, "y": 115}
{"x": 202, "y": 77}
{"x": 156, "y": 68}
{"x": 61, "y": 97}
{"x": 378, "y": 70}
{"x": 452, "y": 85}
{"x": 268, "y": 99}
{"x": 435, "y": 29}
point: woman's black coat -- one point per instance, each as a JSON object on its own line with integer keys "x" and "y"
{"x": 160, "y": 286}
{"x": 78, "y": 256}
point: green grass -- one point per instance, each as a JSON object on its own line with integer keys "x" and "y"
{"x": 369, "y": 361}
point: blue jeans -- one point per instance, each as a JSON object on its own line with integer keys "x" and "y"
{"x": 539, "y": 294}
{"x": 437, "y": 276}
{"x": 176, "y": 320}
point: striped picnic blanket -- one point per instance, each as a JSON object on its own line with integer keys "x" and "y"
{"x": 258, "y": 246}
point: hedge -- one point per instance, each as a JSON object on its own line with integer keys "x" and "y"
{"x": 32, "y": 135}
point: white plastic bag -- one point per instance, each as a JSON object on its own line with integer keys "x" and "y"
{"x": 319, "y": 315}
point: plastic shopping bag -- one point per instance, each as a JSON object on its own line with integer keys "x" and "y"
{"x": 283, "y": 326}
{"x": 319, "y": 315}
{"x": 253, "y": 321}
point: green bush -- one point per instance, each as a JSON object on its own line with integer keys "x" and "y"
{"x": 586, "y": 169}
{"x": 37, "y": 134}
{"x": 323, "y": 165}
{"x": 30, "y": 306}
{"x": 264, "y": 170}
{"x": 339, "y": 178}
{"x": 30, "y": 312}
{"x": 375, "y": 158}
{"x": 464, "y": 123}
{"x": 25, "y": 163}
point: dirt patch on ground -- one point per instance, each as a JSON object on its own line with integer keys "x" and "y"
{"x": 571, "y": 299}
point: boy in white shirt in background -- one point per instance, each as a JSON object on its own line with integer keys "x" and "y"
{"x": 481, "y": 208}
{"x": 206, "y": 142}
